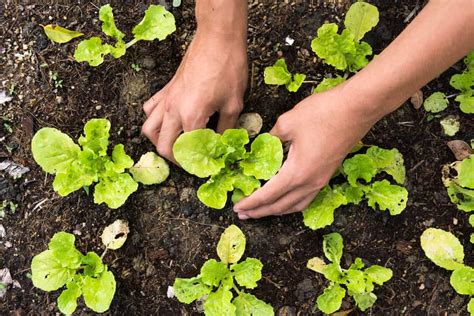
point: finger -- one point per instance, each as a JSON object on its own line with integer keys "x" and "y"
{"x": 270, "y": 192}
{"x": 169, "y": 132}
{"x": 151, "y": 127}
{"x": 192, "y": 121}
{"x": 286, "y": 204}
{"x": 302, "y": 205}
{"x": 281, "y": 128}
{"x": 228, "y": 118}
{"x": 151, "y": 104}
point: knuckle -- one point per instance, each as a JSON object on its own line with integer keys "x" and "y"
{"x": 163, "y": 150}
{"x": 146, "y": 128}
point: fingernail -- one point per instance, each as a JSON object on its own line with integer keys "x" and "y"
{"x": 237, "y": 210}
{"x": 243, "y": 217}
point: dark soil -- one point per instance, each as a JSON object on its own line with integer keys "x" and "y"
{"x": 172, "y": 233}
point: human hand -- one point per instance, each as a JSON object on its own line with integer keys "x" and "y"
{"x": 322, "y": 129}
{"x": 211, "y": 78}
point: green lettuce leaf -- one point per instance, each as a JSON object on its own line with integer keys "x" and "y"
{"x": 114, "y": 191}
{"x": 213, "y": 272}
{"x": 361, "y": 18}
{"x": 358, "y": 60}
{"x": 99, "y": 292}
{"x": 466, "y": 173}
{"x": 93, "y": 264}
{"x": 108, "y": 23}
{"x": 359, "y": 167}
{"x": 296, "y": 83}
{"x": 277, "y": 74}
{"x": 60, "y": 34}
{"x": 466, "y": 103}
{"x": 462, "y": 280}
{"x": 463, "y": 198}
{"x": 231, "y": 245}
{"x": 364, "y": 300}
{"x": 200, "y": 152}
{"x": 150, "y": 169}
{"x": 219, "y": 303}
{"x": 53, "y": 151}
{"x": 189, "y": 290}
{"x": 67, "y": 301}
{"x": 235, "y": 139}
{"x": 436, "y": 102}
{"x": 320, "y": 213}
{"x": 333, "y": 246}
{"x": 246, "y": 184}
{"x": 91, "y": 51}
{"x": 443, "y": 248}
{"x": 354, "y": 281}
{"x": 120, "y": 158}
{"x": 96, "y": 136}
{"x": 157, "y": 24}
{"x": 388, "y": 197}
{"x": 247, "y": 273}
{"x": 47, "y": 273}
{"x": 378, "y": 274}
{"x": 248, "y": 305}
{"x": 331, "y": 299}
{"x": 213, "y": 193}
{"x": 332, "y": 47}
{"x": 72, "y": 179}
{"x": 328, "y": 83}
{"x": 265, "y": 157}
{"x": 316, "y": 264}
{"x": 463, "y": 82}
{"x": 390, "y": 161}
{"x": 63, "y": 250}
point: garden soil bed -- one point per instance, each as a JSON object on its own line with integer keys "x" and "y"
{"x": 172, "y": 233}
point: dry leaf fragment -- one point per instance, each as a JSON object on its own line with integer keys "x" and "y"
{"x": 115, "y": 235}
{"x": 417, "y": 99}
{"x": 460, "y": 149}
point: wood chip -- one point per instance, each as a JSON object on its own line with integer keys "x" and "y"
{"x": 417, "y": 99}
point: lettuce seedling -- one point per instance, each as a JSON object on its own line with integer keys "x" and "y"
{"x": 347, "y": 51}
{"x": 63, "y": 265}
{"x": 77, "y": 167}
{"x": 278, "y": 74}
{"x": 157, "y": 23}
{"x": 464, "y": 83}
{"x": 358, "y": 281}
{"x": 218, "y": 278}
{"x": 458, "y": 178}
{"x": 225, "y": 160}
{"x": 445, "y": 250}
{"x": 386, "y": 196}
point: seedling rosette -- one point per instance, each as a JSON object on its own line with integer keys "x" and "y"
{"x": 381, "y": 193}
{"x": 157, "y": 23}
{"x": 218, "y": 281}
{"x": 76, "y": 167}
{"x": 358, "y": 281}
{"x": 446, "y": 251}
{"x": 226, "y": 161}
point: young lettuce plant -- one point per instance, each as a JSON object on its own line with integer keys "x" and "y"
{"x": 458, "y": 178}
{"x": 464, "y": 83}
{"x": 391, "y": 197}
{"x": 347, "y": 51}
{"x": 218, "y": 278}
{"x": 63, "y": 265}
{"x": 157, "y": 23}
{"x": 358, "y": 281}
{"x": 77, "y": 167}
{"x": 445, "y": 250}
{"x": 225, "y": 160}
{"x": 278, "y": 74}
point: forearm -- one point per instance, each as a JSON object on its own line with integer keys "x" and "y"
{"x": 441, "y": 35}
{"x": 222, "y": 18}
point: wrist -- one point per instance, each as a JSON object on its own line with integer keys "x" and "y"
{"x": 224, "y": 20}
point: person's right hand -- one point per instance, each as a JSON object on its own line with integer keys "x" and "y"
{"x": 212, "y": 77}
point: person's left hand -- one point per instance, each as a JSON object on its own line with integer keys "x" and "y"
{"x": 322, "y": 129}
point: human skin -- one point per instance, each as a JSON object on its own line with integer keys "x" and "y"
{"x": 322, "y": 128}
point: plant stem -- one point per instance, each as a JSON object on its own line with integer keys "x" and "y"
{"x": 103, "y": 254}
{"x": 452, "y": 95}
{"x": 235, "y": 289}
{"x": 129, "y": 44}
{"x": 310, "y": 81}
